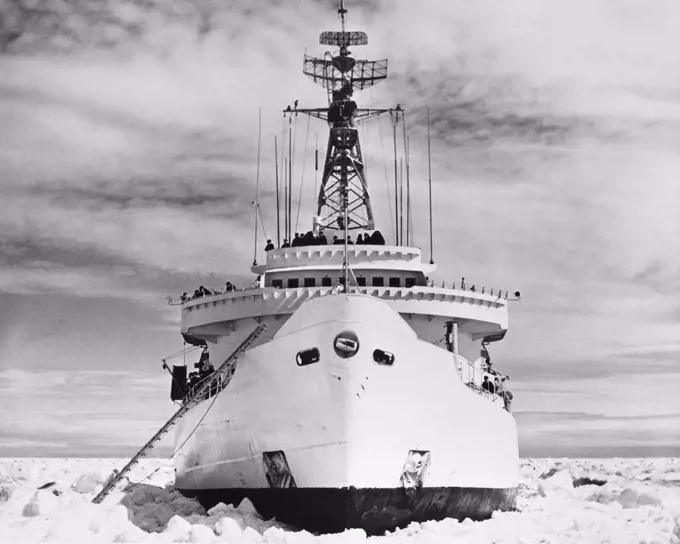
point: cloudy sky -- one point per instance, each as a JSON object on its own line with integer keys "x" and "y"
{"x": 128, "y": 145}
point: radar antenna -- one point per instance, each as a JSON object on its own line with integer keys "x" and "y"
{"x": 342, "y": 12}
{"x": 343, "y": 202}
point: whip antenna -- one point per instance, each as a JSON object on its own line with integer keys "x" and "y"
{"x": 257, "y": 184}
{"x": 278, "y": 205}
{"x": 429, "y": 170}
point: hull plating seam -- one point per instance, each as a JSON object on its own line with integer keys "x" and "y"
{"x": 330, "y": 510}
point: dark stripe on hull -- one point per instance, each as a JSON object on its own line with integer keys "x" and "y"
{"x": 329, "y": 510}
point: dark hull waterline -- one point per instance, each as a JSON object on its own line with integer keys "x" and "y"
{"x": 332, "y": 510}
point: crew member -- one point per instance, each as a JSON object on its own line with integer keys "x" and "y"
{"x": 377, "y": 238}
{"x": 487, "y": 385}
{"x": 308, "y": 239}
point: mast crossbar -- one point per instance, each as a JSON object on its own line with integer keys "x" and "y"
{"x": 361, "y": 114}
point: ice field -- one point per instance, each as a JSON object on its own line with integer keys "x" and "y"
{"x": 560, "y": 501}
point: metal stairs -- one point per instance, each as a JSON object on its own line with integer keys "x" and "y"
{"x": 223, "y": 374}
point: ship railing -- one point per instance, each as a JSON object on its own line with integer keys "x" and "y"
{"x": 462, "y": 286}
{"x": 474, "y": 376}
{"x": 172, "y": 301}
{"x": 254, "y": 286}
{"x": 178, "y": 301}
{"x": 218, "y": 386}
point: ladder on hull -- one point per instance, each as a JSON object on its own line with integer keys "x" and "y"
{"x": 226, "y": 369}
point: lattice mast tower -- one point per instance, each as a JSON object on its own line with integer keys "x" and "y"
{"x": 343, "y": 203}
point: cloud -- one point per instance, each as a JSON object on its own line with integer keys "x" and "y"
{"x": 128, "y": 139}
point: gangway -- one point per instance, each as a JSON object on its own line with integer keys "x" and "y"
{"x": 199, "y": 394}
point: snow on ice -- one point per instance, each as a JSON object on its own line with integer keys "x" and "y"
{"x": 560, "y": 501}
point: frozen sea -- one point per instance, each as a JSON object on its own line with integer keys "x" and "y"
{"x": 617, "y": 501}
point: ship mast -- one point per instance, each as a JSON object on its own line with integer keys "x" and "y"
{"x": 343, "y": 202}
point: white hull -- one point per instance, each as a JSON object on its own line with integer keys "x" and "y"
{"x": 346, "y": 423}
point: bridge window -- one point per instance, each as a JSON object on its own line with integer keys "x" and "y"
{"x": 378, "y": 282}
{"x": 326, "y": 282}
{"x": 310, "y": 282}
{"x": 383, "y": 357}
{"x": 409, "y": 282}
{"x": 277, "y": 283}
{"x": 293, "y": 283}
{"x": 395, "y": 282}
{"x": 361, "y": 281}
{"x": 308, "y": 357}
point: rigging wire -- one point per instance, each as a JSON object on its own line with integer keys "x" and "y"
{"x": 316, "y": 169}
{"x": 408, "y": 182}
{"x": 387, "y": 178}
{"x": 181, "y": 352}
{"x": 285, "y": 182}
{"x": 290, "y": 179}
{"x": 294, "y": 155}
{"x": 292, "y": 151}
{"x": 396, "y": 180}
{"x": 278, "y": 205}
{"x": 302, "y": 177}
{"x": 401, "y": 199}
{"x": 429, "y": 171}
{"x": 367, "y": 139}
{"x": 408, "y": 186}
{"x": 132, "y": 485}
{"x": 257, "y": 185}
{"x": 264, "y": 231}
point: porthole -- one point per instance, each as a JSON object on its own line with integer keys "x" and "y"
{"x": 346, "y": 344}
{"x": 383, "y": 357}
{"x": 308, "y": 357}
